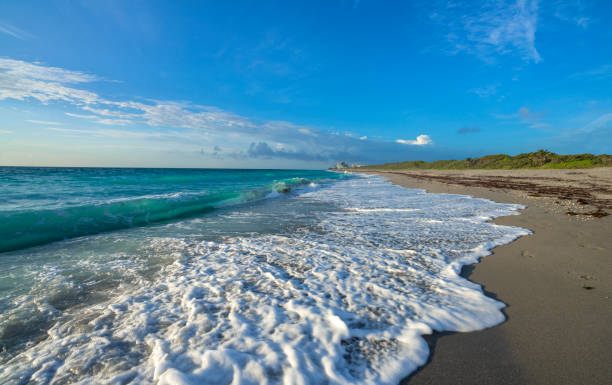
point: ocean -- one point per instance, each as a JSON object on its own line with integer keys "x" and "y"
{"x": 190, "y": 276}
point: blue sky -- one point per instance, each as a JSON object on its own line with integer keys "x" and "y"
{"x": 300, "y": 84}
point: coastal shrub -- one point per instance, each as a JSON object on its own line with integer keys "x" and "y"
{"x": 539, "y": 159}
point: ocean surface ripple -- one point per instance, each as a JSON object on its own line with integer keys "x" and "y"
{"x": 334, "y": 284}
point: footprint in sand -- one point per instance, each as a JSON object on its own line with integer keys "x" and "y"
{"x": 527, "y": 253}
{"x": 592, "y": 247}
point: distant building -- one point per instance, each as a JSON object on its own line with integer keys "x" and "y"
{"x": 341, "y": 166}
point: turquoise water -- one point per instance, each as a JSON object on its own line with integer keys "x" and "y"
{"x": 42, "y": 205}
{"x": 140, "y": 276}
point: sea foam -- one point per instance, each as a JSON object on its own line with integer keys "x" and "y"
{"x": 345, "y": 300}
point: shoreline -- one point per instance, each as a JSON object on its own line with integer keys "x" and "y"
{"x": 556, "y": 282}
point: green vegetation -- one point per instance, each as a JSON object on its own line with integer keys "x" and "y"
{"x": 539, "y": 159}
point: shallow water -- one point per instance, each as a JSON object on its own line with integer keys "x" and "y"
{"x": 335, "y": 282}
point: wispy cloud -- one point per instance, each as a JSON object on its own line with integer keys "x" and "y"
{"x": 114, "y": 122}
{"x": 573, "y": 11}
{"x": 539, "y": 125}
{"x": 24, "y": 70}
{"x": 109, "y": 113}
{"x": 598, "y": 73}
{"x": 22, "y": 80}
{"x": 525, "y": 116}
{"x": 306, "y": 131}
{"x": 102, "y": 119}
{"x": 44, "y": 122}
{"x": 13, "y": 31}
{"x": 590, "y": 136}
{"x": 468, "y": 130}
{"x": 247, "y": 138}
{"x": 81, "y": 116}
{"x": 5, "y": 132}
{"x": 129, "y": 134}
{"x": 603, "y": 122}
{"x": 491, "y": 28}
{"x": 420, "y": 140}
{"x": 486, "y": 91}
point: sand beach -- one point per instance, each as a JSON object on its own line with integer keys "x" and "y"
{"x": 556, "y": 282}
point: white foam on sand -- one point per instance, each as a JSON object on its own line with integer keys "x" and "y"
{"x": 343, "y": 302}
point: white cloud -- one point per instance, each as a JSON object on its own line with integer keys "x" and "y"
{"x": 22, "y": 69}
{"x": 21, "y": 80}
{"x": 572, "y": 11}
{"x": 80, "y": 116}
{"x": 109, "y": 113}
{"x": 491, "y": 28}
{"x": 128, "y": 134}
{"x": 602, "y": 122}
{"x": 486, "y": 91}
{"x": 595, "y": 136}
{"x": 44, "y": 122}
{"x": 114, "y": 122}
{"x": 6, "y": 132}
{"x": 193, "y": 123}
{"x": 108, "y": 133}
{"x": 582, "y": 21}
{"x": 13, "y": 31}
{"x": 599, "y": 73}
{"x": 420, "y": 140}
{"x": 307, "y": 131}
{"x": 363, "y": 137}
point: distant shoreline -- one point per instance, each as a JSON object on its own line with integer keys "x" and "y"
{"x": 557, "y": 282}
{"x": 541, "y": 159}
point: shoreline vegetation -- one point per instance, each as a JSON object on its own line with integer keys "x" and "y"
{"x": 541, "y": 159}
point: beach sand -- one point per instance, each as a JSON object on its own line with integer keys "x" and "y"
{"x": 557, "y": 282}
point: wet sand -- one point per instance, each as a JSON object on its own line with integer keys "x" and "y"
{"x": 557, "y": 282}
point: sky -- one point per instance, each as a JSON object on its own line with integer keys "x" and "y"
{"x": 289, "y": 84}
